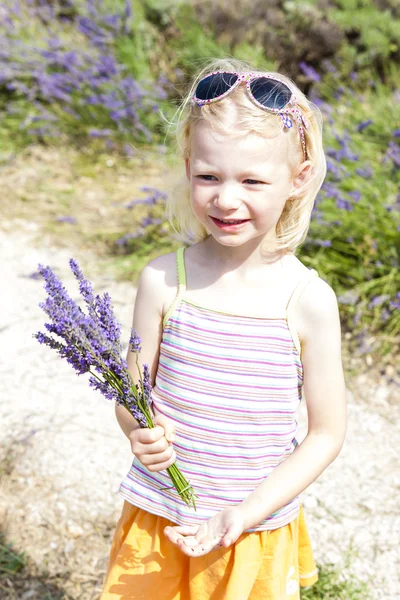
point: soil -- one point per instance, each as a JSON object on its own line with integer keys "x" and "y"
{"x": 63, "y": 454}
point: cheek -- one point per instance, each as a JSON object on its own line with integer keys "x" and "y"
{"x": 198, "y": 201}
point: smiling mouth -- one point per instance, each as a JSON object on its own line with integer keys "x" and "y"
{"x": 230, "y": 221}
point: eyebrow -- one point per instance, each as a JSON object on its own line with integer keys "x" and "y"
{"x": 201, "y": 165}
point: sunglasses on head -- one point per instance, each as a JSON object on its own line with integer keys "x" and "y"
{"x": 266, "y": 91}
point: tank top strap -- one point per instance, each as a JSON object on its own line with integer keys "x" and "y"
{"x": 180, "y": 267}
{"x": 299, "y": 288}
{"x": 181, "y": 273}
{"x": 292, "y": 302}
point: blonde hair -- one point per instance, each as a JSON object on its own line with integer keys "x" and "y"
{"x": 293, "y": 224}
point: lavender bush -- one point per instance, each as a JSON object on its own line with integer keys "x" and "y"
{"x": 354, "y": 238}
{"x": 62, "y": 75}
{"x": 90, "y": 342}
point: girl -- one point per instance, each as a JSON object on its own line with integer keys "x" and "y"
{"x": 234, "y": 328}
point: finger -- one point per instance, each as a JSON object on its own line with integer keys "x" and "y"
{"x": 173, "y": 536}
{"x": 154, "y": 447}
{"x": 158, "y": 464}
{"x": 193, "y": 548}
{"x": 168, "y": 426}
{"x": 183, "y": 529}
{"x": 189, "y": 541}
{"x": 148, "y": 436}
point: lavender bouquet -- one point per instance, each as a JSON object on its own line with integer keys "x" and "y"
{"x": 91, "y": 344}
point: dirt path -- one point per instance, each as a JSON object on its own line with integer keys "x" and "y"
{"x": 65, "y": 455}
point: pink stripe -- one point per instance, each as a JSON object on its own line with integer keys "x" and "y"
{"x": 190, "y": 309}
{"x": 226, "y": 384}
{"x": 221, "y": 432}
{"x": 228, "y": 334}
{"x": 226, "y": 358}
{"x": 236, "y": 409}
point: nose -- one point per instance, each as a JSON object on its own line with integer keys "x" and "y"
{"x": 227, "y": 197}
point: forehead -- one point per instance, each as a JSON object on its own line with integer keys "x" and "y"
{"x": 248, "y": 150}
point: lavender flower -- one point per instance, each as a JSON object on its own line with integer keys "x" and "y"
{"x": 134, "y": 342}
{"x": 364, "y": 124}
{"x": 66, "y": 219}
{"x": 90, "y": 342}
{"x": 310, "y": 72}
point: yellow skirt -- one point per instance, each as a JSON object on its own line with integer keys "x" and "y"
{"x": 261, "y": 565}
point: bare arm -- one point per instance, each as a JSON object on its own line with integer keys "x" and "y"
{"x": 147, "y": 321}
{"x": 325, "y": 393}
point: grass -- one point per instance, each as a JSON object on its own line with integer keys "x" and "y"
{"x": 332, "y": 585}
{"x": 21, "y": 579}
{"x": 18, "y": 574}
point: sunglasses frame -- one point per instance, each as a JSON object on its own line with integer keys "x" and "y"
{"x": 290, "y": 109}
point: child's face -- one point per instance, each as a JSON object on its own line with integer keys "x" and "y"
{"x": 246, "y": 181}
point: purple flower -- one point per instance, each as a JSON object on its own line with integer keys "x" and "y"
{"x": 365, "y": 172}
{"x": 90, "y": 342}
{"x": 344, "y": 151}
{"x": 363, "y": 125}
{"x": 356, "y": 195}
{"x": 146, "y": 221}
{"x": 341, "y": 203}
{"x": 128, "y": 236}
{"x": 146, "y": 383}
{"x": 99, "y": 133}
{"x": 66, "y": 219}
{"x": 323, "y": 243}
{"x": 134, "y": 342}
{"x": 395, "y": 304}
{"x": 310, "y": 72}
{"x": 327, "y": 64}
{"x": 393, "y": 154}
{"x": 378, "y": 300}
{"x": 85, "y": 287}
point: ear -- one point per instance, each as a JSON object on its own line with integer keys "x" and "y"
{"x": 187, "y": 167}
{"x": 304, "y": 173}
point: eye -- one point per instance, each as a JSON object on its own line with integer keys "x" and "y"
{"x": 206, "y": 177}
{"x": 254, "y": 182}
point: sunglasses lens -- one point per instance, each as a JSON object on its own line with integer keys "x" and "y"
{"x": 270, "y": 93}
{"x": 215, "y": 85}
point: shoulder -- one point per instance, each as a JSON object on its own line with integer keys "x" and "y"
{"x": 318, "y": 311}
{"x": 158, "y": 281}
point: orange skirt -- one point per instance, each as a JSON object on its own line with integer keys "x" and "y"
{"x": 261, "y": 565}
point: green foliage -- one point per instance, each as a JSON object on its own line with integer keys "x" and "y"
{"x": 359, "y": 209}
{"x": 375, "y": 32}
{"x": 194, "y": 43}
{"x": 10, "y": 562}
{"x": 331, "y": 585}
{"x": 254, "y": 55}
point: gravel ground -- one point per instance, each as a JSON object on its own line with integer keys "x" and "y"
{"x": 67, "y": 454}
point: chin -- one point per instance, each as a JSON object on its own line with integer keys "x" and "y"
{"x": 233, "y": 241}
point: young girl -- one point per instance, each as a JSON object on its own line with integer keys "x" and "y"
{"x": 234, "y": 328}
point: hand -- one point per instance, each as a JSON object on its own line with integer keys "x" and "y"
{"x": 152, "y": 447}
{"x": 222, "y": 530}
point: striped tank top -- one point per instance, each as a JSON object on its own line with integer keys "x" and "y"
{"x": 232, "y": 385}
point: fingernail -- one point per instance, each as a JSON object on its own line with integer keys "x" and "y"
{"x": 171, "y": 437}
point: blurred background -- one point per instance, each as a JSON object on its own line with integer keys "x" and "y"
{"x": 87, "y": 90}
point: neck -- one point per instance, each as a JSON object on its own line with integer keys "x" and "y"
{"x": 245, "y": 256}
